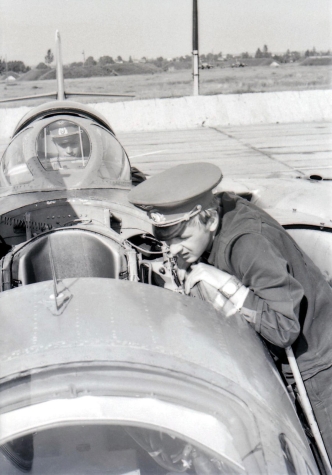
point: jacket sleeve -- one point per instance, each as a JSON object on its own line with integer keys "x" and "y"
{"x": 273, "y": 302}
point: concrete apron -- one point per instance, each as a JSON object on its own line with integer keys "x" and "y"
{"x": 209, "y": 111}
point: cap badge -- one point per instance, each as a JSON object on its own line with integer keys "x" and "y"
{"x": 157, "y": 217}
{"x": 63, "y": 131}
{"x": 145, "y": 207}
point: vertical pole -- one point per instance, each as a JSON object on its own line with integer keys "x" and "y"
{"x": 59, "y": 69}
{"x": 195, "y": 49}
{"x": 307, "y": 409}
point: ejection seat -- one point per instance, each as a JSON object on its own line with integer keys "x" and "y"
{"x": 66, "y": 253}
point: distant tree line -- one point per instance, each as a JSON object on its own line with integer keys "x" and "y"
{"x": 165, "y": 63}
{"x": 15, "y": 66}
{"x": 313, "y": 52}
{"x": 287, "y": 57}
{"x": 263, "y": 54}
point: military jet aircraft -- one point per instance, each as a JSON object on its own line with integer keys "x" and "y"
{"x": 106, "y": 367}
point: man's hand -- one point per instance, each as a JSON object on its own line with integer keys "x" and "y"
{"x": 210, "y": 274}
{"x": 181, "y": 268}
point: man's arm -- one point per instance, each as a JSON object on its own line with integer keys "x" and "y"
{"x": 273, "y": 301}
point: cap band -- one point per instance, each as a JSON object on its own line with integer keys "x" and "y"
{"x": 158, "y": 219}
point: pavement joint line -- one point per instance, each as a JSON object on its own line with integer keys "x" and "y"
{"x": 316, "y": 168}
{"x": 302, "y": 153}
{"x": 252, "y": 147}
{"x": 148, "y": 153}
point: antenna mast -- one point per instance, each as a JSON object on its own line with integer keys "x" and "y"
{"x": 195, "y": 49}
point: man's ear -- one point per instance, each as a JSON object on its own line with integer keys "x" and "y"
{"x": 213, "y": 221}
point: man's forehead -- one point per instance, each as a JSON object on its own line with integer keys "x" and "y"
{"x": 73, "y": 139}
{"x": 188, "y": 231}
{"x": 185, "y": 232}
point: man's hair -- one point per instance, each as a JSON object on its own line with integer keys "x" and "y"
{"x": 166, "y": 233}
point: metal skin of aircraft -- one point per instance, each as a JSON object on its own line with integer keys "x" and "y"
{"x": 106, "y": 367}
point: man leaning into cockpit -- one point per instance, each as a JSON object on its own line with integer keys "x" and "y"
{"x": 252, "y": 266}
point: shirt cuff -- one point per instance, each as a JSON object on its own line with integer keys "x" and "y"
{"x": 239, "y": 297}
{"x": 252, "y": 310}
{"x": 233, "y": 304}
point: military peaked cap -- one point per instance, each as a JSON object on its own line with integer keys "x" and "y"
{"x": 177, "y": 194}
{"x": 62, "y": 129}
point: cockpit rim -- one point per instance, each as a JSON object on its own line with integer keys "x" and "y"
{"x": 55, "y": 108}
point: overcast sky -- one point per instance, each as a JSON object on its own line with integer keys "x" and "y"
{"x": 155, "y": 28}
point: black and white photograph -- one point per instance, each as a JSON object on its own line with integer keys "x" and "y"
{"x": 166, "y": 237}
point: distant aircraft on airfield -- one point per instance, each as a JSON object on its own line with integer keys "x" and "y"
{"x": 106, "y": 367}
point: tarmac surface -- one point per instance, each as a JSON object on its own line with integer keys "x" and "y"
{"x": 240, "y": 151}
{"x": 255, "y": 150}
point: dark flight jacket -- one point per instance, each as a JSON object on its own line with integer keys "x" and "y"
{"x": 289, "y": 302}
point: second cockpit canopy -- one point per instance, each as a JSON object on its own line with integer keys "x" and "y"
{"x": 63, "y": 153}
